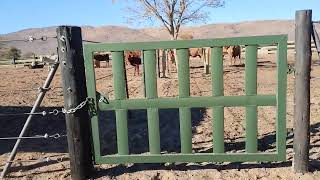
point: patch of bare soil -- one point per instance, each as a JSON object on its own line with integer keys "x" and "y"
{"x": 17, "y": 94}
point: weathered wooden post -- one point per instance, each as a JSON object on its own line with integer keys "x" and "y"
{"x": 205, "y": 58}
{"x": 164, "y": 63}
{"x": 301, "y": 140}
{"x": 74, "y": 92}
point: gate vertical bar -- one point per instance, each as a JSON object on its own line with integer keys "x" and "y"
{"x": 281, "y": 98}
{"x": 151, "y": 93}
{"x": 120, "y": 94}
{"x": 75, "y": 92}
{"x": 217, "y": 88}
{"x": 91, "y": 90}
{"x": 251, "y": 89}
{"x": 184, "y": 91}
{"x": 301, "y": 140}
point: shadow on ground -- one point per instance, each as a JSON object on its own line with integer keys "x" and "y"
{"x": 12, "y": 125}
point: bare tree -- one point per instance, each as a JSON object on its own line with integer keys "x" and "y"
{"x": 172, "y": 14}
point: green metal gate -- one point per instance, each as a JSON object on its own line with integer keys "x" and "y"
{"x": 251, "y": 100}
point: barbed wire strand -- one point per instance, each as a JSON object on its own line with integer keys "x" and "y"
{"x": 30, "y": 39}
{"x": 45, "y": 136}
{"x": 89, "y": 41}
{"x": 43, "y": 113}
{"x": 45, "y": 159}
{"x": 42, "y": 38}
{"x": 30, "y": 89}
{"x": 54, "y": 112}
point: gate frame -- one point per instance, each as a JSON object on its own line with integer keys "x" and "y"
{"x": 251, "y": 100}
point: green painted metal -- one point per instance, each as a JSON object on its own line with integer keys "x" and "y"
{"x": 251, "y": 100}
{"x": 184, "y": 91}
{"x": 195, "y": 157}
{"x": 281, "y": 98}
{"x": 120, "y": 94}
{"x": 180, "y": 44}
{"x": 91, "y": 90}
{"x": 167, "y": 103}
{"x": 251, "y": 89}
{"x": 152, "y": 93}
{"x": 217, "y": 87}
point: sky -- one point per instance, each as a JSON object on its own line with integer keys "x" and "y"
{"x": 16, "y": 15}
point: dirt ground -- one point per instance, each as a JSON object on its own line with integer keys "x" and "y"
{"x": 18, "y": 92}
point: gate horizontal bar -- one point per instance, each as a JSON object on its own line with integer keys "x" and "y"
{"x": 209, "y": 101}
{"x": 180, "y": 44}
{"x": 196, "y": 157}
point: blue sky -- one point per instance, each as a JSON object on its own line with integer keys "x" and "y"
{"x": 21, "y": 14}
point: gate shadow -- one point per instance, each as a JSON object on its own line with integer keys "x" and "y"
{"x": 138, "y": 130}
{"x": 266, "y": 142}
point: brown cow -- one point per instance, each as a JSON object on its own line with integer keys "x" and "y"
{"x": 234, "y": 52}
{"x": 134, "y": 59}
{"x": 101, "y": 57}
{"x": 195, "y": 52}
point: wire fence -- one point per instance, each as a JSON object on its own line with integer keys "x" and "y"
{"x": 42, "y": 38}
{"x": 29, "y": 39}
{"x": 45, "y": 136}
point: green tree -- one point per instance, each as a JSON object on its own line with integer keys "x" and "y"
{"x": 14, "y": 53}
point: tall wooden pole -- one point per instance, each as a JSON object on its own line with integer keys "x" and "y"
{"x": 301, "y": 139}
{"x": 74, "y": 92}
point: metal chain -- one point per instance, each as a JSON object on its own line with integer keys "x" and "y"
{"x": 45, "y": 136}
{"x": 54, "y": 112}
{"x": 73, "y": 110}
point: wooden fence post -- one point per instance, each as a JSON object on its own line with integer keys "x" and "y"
{"x": 164, "y": 62}
{"x": 74, "y": 91}
{"x": 301, "y": 140}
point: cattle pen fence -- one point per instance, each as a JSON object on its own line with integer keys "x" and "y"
{"x": 82, "y": 102}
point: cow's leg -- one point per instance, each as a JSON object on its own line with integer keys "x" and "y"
{"x": 97, "y": 63}
{"x": 138, "y": 69}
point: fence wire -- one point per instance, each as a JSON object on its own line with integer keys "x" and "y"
{"x": 29, "y": 39}
{"x": 43, "y": 113}
{"x": 43, "y": 159}
{"x": 45, "y": 136}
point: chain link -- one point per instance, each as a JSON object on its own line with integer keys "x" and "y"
{"x": 73, "y": 110}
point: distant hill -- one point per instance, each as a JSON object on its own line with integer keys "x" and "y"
{"x": 125, "y": 34}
